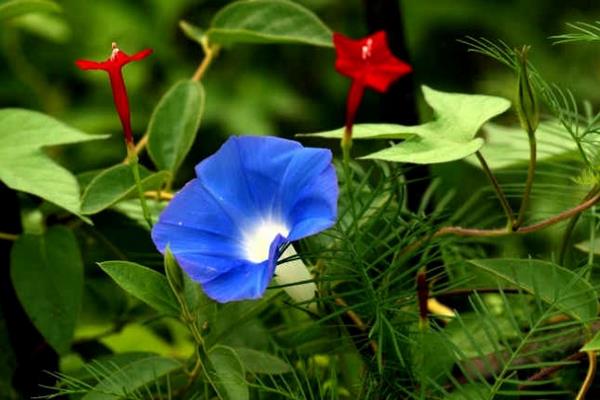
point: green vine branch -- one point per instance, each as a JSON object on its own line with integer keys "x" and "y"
{"x": 589, "y": 377}
{"x": 498, "y": 232}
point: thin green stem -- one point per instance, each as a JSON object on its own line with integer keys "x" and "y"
{"x": 191, "y": 322}
{"x": 589, "y": 377}
{"x": 530, "y": 177}
{"x": 499, "y": 193}
{"x": 346, "y": 145}
{"x": 8, "y": 236}
{"x": 566, "y": 240}
{"x": 592, "y": 237}
{"x": 582, "y": 153}
{"x": 135, "y": 170}
{"x": 210, "y": 51}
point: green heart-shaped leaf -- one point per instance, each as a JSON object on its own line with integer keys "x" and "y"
{"x": 367, "y": 131}
{"x": 23, "y": 164}
{"x": 451, "y": 134}
{"x": 47, "y": 273}
{"x": 174, "y": 124}
{"x": 147, "y": 285}
{"x": 227, "y": 373}
{"x": 268, "y": 21}
{"x": 115, "y": 184}
{"x": 425, "y": 150}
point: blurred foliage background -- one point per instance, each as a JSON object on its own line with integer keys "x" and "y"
{"x": 266, "y": 89}
{"x": 277, "y": 90}
{"x": 271, "y": 89}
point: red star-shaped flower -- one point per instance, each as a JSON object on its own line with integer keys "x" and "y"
{"x": 113, "y": 66}
{"x": 368, "y": 60}
{"x": 369, "y": 63}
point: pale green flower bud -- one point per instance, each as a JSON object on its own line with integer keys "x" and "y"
{"x": 527, "y": 107}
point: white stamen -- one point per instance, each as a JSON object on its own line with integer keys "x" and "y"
{"x": 115, "y": 50}
{"x": 366, "y": 49}
{"x": 257, "y": 241}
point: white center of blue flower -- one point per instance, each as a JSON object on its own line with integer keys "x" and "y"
{"x": 257, "y": 241}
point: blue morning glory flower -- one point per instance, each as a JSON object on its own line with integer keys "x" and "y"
{"x": 255, "y": 194}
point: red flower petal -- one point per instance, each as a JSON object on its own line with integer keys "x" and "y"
{"x": 369, "y": 63}
{"x": 89, "y": 65}
{"x": 141, "y": 55}
{"x": 113, "y": 66}
{"x": 368, "y": 59}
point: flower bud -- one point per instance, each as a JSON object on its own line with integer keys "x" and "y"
{"x": 292, "y": 272}
{"x": 527, "y": 107}
{"x": 174, "y": 273}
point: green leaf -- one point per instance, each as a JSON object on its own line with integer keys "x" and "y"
{"x": 555, "y": 285}
{"x": 51, "y": 27}
{"x": 227, "y": 373}
{"x": 121, "y": 381}
{"x": 451, "y": 134}
{"x": 115, "y": 184}
{"x": 508, "y": 146}
{"x": 460, "y": 333}
{"x": 143, "y": 337}
{"x": 587, "y": 246}
{"x": 16, "y": 8}
{"x": 427, "y": 150}
{"x": 259, "y": 362}
{"x": 470, "y": 391}
{"x": 191, "y": 31}
{"x": 174, "y": 124}
{"x": 132, "y": 210}
{"x": 147, "y": 285}
{"x": 47, "y": 273}
{"x": 268, "y": 21}
{"x": 366, "y": 131}
{"x": 25, "y": 167}
{"x": 592, "y": 345}
{"x": 429, "y": 346}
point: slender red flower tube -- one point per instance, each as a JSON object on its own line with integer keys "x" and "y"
{"x": 369, "y": 63}
{"x": 113, "y": 66}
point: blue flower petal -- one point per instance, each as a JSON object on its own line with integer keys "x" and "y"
{"x": 308, "y": 193}
{"x": 202, "y": 254}
{"x": 203, "y": 233}
{"x": 249, "y": 170}
{"x": 315, "y": 207}
{"x": 219, "y": 225}
{"x": 246, "y": 281}
{"x": 196, "y": 207}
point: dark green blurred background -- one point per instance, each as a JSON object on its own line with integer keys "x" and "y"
{"x": 279, "y": 90}
{"x": 265, "y": 89}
